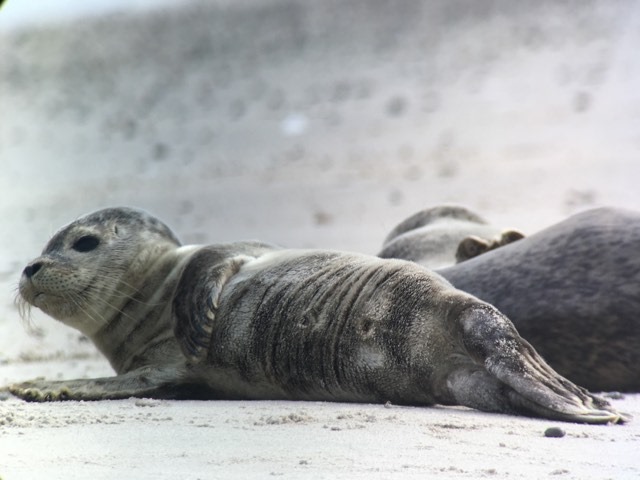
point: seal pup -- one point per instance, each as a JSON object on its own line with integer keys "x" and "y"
{"x": 252, "y": 321}
{"x": 444, "y": 235}
{"x": 573, "y": 291}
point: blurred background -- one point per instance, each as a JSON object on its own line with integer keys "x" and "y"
{"x": 307, "y": 124}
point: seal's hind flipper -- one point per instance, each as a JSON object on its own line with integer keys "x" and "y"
{"x": 197, "y": 300}
{"x": 531, "y": 386}
{"x": 473, "y": 245}
{"x": 470, "y": 247}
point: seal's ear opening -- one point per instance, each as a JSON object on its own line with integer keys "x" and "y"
{"x": 471, "y": 247}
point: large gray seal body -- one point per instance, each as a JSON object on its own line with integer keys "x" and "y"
{"x": 572, "y": 290}
{"x": 252, "y": 321}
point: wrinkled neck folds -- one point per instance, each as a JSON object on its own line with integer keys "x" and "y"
{"x": 139, "y": 310}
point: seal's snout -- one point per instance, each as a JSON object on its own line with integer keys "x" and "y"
{"x": 31, "y": 269}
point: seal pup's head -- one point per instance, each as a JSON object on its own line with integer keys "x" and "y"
{"x": 94, "y": 264}
{"x": 444, "y": 235}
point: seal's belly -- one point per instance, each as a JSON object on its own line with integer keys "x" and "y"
{"x": 319, "y": 325}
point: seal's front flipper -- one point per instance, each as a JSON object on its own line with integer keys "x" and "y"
{"x": 197, "y": 297}
{"x": 144, "y": 382}
{"x": 532, "y": 386}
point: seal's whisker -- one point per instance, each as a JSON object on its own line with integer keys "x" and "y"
{"x": 122, "y": 295}
{"x": 24, "y": 310}
{"x": 113, "y": 284}
{"x": 78, "y": 302}
{"x": 102, "y": 301}
{"x": 127, "y": 296}
{"x": 109, "y": 277}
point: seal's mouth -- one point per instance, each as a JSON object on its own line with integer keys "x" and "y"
{"x": 56, "y": 306}
{"x": 40, "y": 299}
{"x": 37, "y": 298}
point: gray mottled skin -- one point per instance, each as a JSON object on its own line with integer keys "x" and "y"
{"x": 250, "y": 321}
{"x": 573, "y": 291}
{"x": 441, "y": 236}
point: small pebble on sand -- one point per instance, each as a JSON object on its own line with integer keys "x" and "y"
{"x": 554, "y": 432}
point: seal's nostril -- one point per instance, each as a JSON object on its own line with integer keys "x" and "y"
{"x": 31, "y": 270}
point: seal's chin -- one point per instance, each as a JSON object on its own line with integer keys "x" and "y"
{"x": 38, "y": 299}
{"x": 55, "y": 306}
{"x": 70, "y": 307}
{"x": 45, "y": 301}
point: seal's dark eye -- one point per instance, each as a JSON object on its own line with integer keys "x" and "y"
{"x": 86, "y": 243}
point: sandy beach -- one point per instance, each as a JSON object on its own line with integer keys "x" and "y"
{"x": 305, "y": 124}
